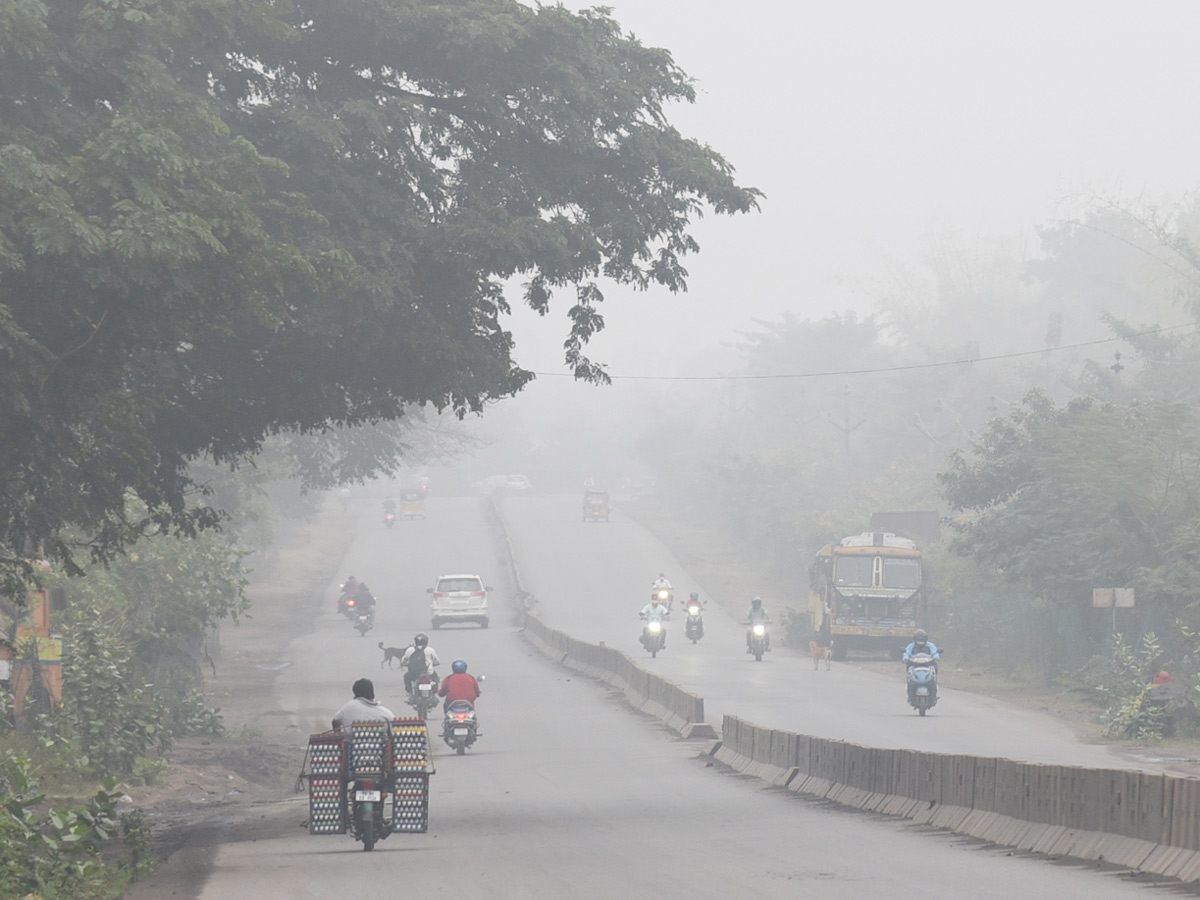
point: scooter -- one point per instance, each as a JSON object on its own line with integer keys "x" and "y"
{"x": 693, "y": 628}
{"x": 460, "y": 728}
{"x": 654, "y": 636}
{"x": 758, "y": 641}
{"x": 922, "y": 682}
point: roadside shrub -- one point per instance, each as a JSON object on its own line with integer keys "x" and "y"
{"x": 1126, "y": 687}
{"x": 54, "y": 854}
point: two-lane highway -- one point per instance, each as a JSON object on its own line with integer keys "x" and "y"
{"x": 569, "y": 793}
{"x": 591, "y": 579}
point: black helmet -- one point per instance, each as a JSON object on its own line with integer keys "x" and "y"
{"x": 695, "y": 596}
{"x": 421, "y": 641}
{"x": 920, "y": 637}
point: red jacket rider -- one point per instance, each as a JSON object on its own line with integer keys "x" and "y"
{"x": 460, "y": 685}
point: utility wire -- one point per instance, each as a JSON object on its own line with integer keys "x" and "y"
{"x": 905, "y": 368}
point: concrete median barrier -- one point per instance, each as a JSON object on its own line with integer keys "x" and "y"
{"x": 1142, "y": 820}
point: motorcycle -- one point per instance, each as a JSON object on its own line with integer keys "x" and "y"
{"x": 424, "y": 694}
{"x": 693, "y": 627}
{"x": 758, "y": 641}
{"x": 366, "y": 811}
{"x": 665, "y": 596}
{"x": 654, "y": 636}
{"x": 389, "y": 519}
{"x": 363, "y": 620}
{"x": 922, "y": 682}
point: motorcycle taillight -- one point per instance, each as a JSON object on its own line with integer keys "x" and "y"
{"x": 460, "y": 716}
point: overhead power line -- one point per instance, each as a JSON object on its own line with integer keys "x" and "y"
{"x": 883, "y": 369}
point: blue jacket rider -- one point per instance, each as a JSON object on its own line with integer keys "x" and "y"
{"x": 920, "y": 644}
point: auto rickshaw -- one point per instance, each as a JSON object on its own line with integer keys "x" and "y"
{"x": 412, "y": 504}
{"x": 595, "y": 505}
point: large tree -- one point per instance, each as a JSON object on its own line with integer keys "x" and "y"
{"x": 224, "y": 219}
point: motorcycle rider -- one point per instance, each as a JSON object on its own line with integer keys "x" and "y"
{"x": 349, "y": 587}
{"x": 362, "y": 708}
{"x": 364, "y": 601}
{"x": 694, "y": 600}
{"x": 757, "y": 615}
{"x": 389, "y": 505}
{"x": 661, "y": 583}
{"x": 655, "y": 609}
{"x": 459, "y": 685}
{"x": 417, "y": 660}
{"x": 920, "y": 644}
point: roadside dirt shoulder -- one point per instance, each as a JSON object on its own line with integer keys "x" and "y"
{"x": 217, "y": 784}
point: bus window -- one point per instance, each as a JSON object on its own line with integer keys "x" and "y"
{"x": 852, "y": 571}
{"x": 902, "y": 573}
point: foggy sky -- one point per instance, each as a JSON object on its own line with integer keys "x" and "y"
{"x": 873, "y": 127}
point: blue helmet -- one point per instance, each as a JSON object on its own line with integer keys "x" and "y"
{"x": 459, "y": 666}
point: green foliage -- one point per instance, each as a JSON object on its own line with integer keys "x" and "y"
{"x": 54, "y": 853}
{"x": 1126, "y": 685}
{"x": 305, "y": 221}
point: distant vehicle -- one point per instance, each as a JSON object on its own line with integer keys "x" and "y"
{"x": 495, "y": 483}
{"x": 595, "y": 505}
{"x": 412, "y": 503}
{"x": 459, "y": 598}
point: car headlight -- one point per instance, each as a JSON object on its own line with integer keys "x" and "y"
{"x": 760, "y": 630}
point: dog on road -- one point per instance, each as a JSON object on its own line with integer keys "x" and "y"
{"x": 820, "y": 653}
{"x": 390, "y": 653}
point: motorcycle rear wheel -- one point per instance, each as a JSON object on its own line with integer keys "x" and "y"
{"x": 368, "y": 829}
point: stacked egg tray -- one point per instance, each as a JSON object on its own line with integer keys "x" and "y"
{"x": 326, "y": 786}
{"x": 370, "y": 750}
{"x": 410, "y": 775}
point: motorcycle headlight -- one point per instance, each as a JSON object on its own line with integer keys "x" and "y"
{"x": 662, "y": 595}
{"x": 760, "y": 630}
{"x": 694, "y": 610}
{"x": 655, "y": 626}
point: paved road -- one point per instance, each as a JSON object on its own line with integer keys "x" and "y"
{"x": 569, "y": 793}
{"x": 591, "y": 579}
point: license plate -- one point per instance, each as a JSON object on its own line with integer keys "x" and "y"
{"x": 425, "y": 689}
{"x": 461, "y": 732}
{"x": 922, "y": 692}
{"x": 368, "y": 796}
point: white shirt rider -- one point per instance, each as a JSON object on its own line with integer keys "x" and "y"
{"x": 661, "y": 583}
{"x": 431, "y": 657}
{"x": 654, "y": 610}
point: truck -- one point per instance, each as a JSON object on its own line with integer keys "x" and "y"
{"x": 867, "y": 593}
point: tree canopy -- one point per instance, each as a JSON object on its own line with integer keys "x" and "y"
{"x": 226, "y": 219}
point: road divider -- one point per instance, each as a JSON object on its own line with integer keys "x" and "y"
{"x": 679, "y": 710}
{"x": 1143, "y": 820}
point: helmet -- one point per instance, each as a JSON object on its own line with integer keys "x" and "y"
{"x": 757, "y": 601}
{"x": 695, "y": 596}
{"x": 421, "y": 641}
{"x": 459, "y": 666}
{"x": 920, "y": 637}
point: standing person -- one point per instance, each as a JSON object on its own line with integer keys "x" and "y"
{"x": 418, "y": 660}
{"x": 757, "y": 615}
{"x": 362, "y": 708}
{"x": 459, "y": 685}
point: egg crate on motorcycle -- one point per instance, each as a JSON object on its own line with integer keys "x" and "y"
{"x": 326, "y": 786}
{"x": 410, "y": 803}
{"x": 410, "y": 747}
{"x": 370, "y": 750}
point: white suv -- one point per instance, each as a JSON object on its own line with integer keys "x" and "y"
{"x": 459, "y": 598}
